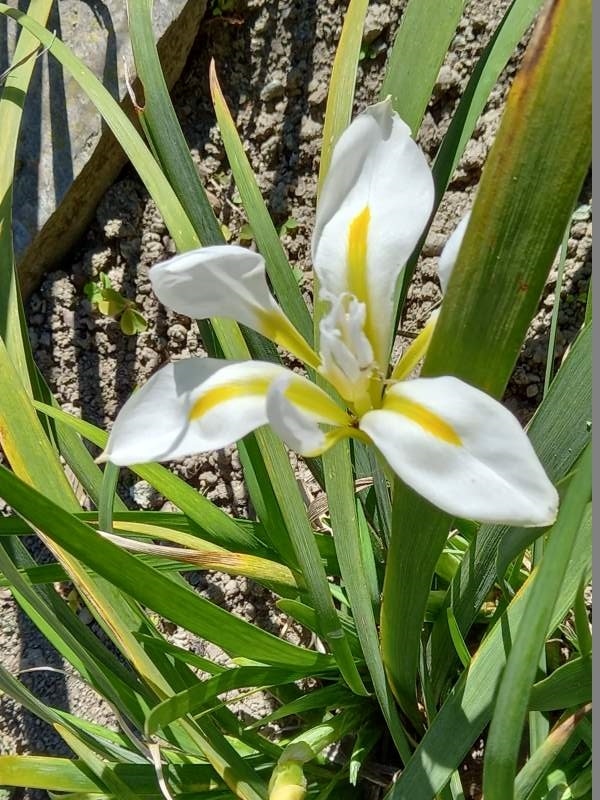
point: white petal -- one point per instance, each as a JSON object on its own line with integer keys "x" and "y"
{"x": 463, "y": 451}
{"x": 450, "y": 252}
{"x": 191, "y": 406}
{"x": 227, "y": 281}
{"x": 296, "y": 408}
{"x": 374, "y": 205}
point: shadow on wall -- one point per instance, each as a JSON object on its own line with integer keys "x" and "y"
{"x": 32, "y": 141}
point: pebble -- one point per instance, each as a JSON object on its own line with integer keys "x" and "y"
{"x": 271, "y": 91}
{"x": 146, "y": 496}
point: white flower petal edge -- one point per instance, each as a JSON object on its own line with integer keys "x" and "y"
{"x": 191, "y": 406}
{"x": 296, "y": 407}
{"x": 227, "y": 281}
{"x": 374, "y": 205}
{"x": 450, "y": 252}
{"x": 463, "y": 451}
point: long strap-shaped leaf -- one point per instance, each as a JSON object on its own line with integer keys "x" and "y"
{"x": 469, "y": 707}
{"x": 24, "y": 440}
{"x": 175, "y": 602}
{"x": 502, "y": 747}
{"x": 528, "y": 187}
{"x": 559, "y": 431}
{"x": 425, "y": 32}
{"x": 340, "y": 96}
{"x": 12, "y": 99}
{"x": 492, "y": 61}
{"x": 266, "y": 236}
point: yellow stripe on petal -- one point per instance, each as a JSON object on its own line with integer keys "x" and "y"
{"x": 423, "y": 417}
{"x": 358, "y": 234}
{"x": 358, "y": 279}
{"x": 277, "y": 327}
{"x": 228, "y": 391}
{"x": 314, "y": 401}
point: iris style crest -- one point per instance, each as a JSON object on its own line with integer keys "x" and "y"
{"x": 450, "y": 442}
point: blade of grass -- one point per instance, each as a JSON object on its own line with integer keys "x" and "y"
{"x": 423, "y": 38}
{"x": 502, "y": 746}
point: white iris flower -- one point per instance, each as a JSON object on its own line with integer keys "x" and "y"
{"x": 450, "y": 442}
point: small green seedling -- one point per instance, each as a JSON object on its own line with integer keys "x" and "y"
{"x": 288, "y": 226}
{"x": 111, "y": 303}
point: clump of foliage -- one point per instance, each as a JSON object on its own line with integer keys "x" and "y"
{"x": 433, "y": 613}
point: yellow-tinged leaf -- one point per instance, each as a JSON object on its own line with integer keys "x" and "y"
{"x": 28, "y": 450}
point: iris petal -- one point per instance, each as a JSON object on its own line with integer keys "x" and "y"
{"x": 227, "y": 281}
{"x": 374, "y": 205}
{"x": 463, "y": 451}
{"x": 191, "y": 406}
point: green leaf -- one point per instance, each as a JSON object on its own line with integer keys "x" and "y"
{"x": 96, "y": 765}
{"x": 504, "y": 737}
{"x": 559, "y": 432}
{"x": 66, "y": 775}
{"x": 528, "y": 188}
{"x": 132, "y": 322}
{"x": 469, "y": 706}
{"x": 340, "y": 96}
{"x": 112, "y": 302}
{"x": 538, "y": 766}
{"x": 173, "y": 600}
{"x": 294, "y": 514}
{"x": 568, "y": 686}
{"x": 484, "y": 77}
{"x": 129, "y": 139}
{"x": 24, "y": 440}
{"x": 195, "y": 699}
{"x": 13, "y": 328}
{"x": 357, "y": 565}
{"x": 215, "y": 524}
{"x": 423, "y": 38}
{"x": 260, "y": 226}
